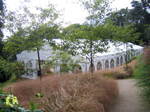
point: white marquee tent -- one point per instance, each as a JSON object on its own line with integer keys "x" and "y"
{"x": 113, "y": 58}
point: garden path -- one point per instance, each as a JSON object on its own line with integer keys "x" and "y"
{"x": 128, "y": 99}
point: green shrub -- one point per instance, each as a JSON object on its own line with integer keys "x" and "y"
{"x": 18, "y": 69}
{"x": 110, "y": 75}
{"x": 119, "y": 72}
{"x": 142, "y": 73}
{"x": 9, "y": 68}
{"x": 5, "y": 73}
{"x": 9, "y": 103}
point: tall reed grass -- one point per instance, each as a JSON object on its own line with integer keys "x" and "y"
{"x": 119, "y": 72}
{"x": 69, "y": 93}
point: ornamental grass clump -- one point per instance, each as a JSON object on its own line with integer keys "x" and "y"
{"x": 67, "y": 93}
{"x": 119, "y": 72}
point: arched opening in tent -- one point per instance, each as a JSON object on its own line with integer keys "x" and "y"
{"x": 64, "y": 68}
{"x": 29, "y": 64}
{"x": 49, "y": 67}
{"x": 42, "y": 62}
{"x": 121, "y": 60}
{"x": 117, "y": 61}
{"x": 43, "y": 66}
{"x": 99, "y": 65}
{"x": 106, "y": 64}
{"x": 112, "y": 63}
{"x": 29, "y": 68}
{"x": 136, "y": 54}
{"x": 91, "y": 68}
{"x": 125, "y": 58}
{"x": 131, "y": 55}
{"x": 77, "y": 69}
{"x": 139, "y": 52}
{"x": 22, "y": 63}
{"x": 128, "y": 57}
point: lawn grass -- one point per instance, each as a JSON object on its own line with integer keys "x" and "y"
{"x": 10, "y": 81}
{"x": 132, "y": 77}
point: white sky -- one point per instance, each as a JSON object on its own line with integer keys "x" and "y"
{"x": 74, "y": 13}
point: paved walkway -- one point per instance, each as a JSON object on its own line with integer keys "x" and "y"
{"x": 128, "y": 100}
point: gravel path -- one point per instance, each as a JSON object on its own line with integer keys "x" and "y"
{"x": 128, "y": 100}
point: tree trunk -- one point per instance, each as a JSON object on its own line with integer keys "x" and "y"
{"x": 126, "y": 56}
{"x": 91, "y": 56}
{"x": 39, "y": 64}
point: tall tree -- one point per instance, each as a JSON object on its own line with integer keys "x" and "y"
{"x": 139, "y": 15}
{"x": 146, "y": 4}
{"x": 1, "y": 26}
{"x": 65, "y": 61}
{"x": 29, "y": 29}
{"x": 86, "y": 41}
{"x": 121, "y": 17}
{"x": 1, "y": 17}
{"x": 93, "y": 42}
{"x": 97, "y": 10}
{"x": 128, "y": 34}
{"x": 92, "y": 37}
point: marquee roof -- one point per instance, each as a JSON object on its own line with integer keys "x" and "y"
{"x": 44, "y": 54}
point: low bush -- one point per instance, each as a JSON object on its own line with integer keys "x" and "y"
{"x": 8, "y": 68}
{"x": 86, "y": 93}
{"x": 142, "y": 73}
{"x": 120, "y": 72}
{"x": 5, "y": 73}
{"x": 133, "y": 58}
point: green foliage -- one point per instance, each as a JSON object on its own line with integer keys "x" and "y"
{"x": 83, "y": 38}
{"x": 33, "y": 106}
{"x": 97, "y": 10}
{"x": 5, "y": 70}
{"x": 121, "y": 74}
{"x": 1, "y": 20}
{"x": 30, "y": 36}
{"x": 139, "y": 15}
{"x": 143, "y": 77}
{"x": 18, "y": 69}
{"x": 1, "y": 48}
{"x": 14, "y": 45}
{"x": 9, "y": 68}
{"x": 9, "y": 103}
{"x": 10, "y": 81}
{"x": 87, "y": 40}
{"x": 109, "y": 75}
{"x": 65, "y": 61}
{"x": 125, "y": 35}
{"x": 30, "y": 30}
